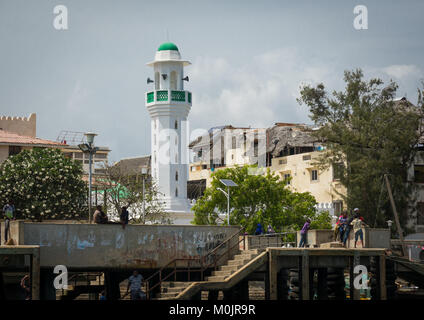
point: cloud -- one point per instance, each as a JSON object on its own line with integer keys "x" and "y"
{"x": 79, "y": 93}
{"x": 402, "y": 71}
{"x": 258, "y": 93}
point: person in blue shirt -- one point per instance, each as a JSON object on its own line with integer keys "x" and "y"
{"x": 259, "y": 229}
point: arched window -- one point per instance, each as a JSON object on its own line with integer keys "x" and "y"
{"x": 176, "y": 176}
{"x": 157, "y": 79}
{"x": 176, "y": 192}
{"x": 176, "y": 124}
{"x": 173, "y": 80}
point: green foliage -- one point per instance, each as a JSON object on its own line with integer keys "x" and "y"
{"x": 367, "y": 135}
{"x": 321, "y": 221}
{"x": 258, "y": 199}
{"x": 43, "y": 184}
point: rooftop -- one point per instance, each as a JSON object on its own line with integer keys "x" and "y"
{"x": 9, "y": 138}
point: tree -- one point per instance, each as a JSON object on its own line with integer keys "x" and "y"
{"x": 43, "y": 184}
{"x": 257, "y": 199}
{"x": 124, "y": 189}
{"x": 367, "y": 134}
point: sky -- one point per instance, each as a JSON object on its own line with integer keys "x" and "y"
{"x": 249, "y": 59}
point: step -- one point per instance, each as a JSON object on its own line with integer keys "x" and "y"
{"x": 243, "y": 256}
{"x": 175, "y": 284}
{"x": 221, "y": 273}
{"x": 229, "y": 268}
{"x": 238, "y": 262}
{"x": 251, "y": 251}
{"x": 216, "y": 278}
{"x": 172, "y": 289}
{"x": 168, "y": 295}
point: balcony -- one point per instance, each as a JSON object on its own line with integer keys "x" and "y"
{"x": 168, "y": 96}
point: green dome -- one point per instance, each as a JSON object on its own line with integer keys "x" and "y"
{"x": 167, "y": 46}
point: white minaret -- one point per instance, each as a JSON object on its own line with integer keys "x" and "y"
{"x": 169, "y": 105}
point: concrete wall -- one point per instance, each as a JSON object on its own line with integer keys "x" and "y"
{"x": 4, "y": 153}
{"x": 110, "y": 246}
{"x": 316, "y": 237}
{"x": 25, "y": 126}
{"x": 373, "y": 238}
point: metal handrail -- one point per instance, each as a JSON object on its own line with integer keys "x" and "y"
{"x": 200, "y": 260}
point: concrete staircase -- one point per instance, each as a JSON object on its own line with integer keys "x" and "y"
{"x": 173, "y": 289}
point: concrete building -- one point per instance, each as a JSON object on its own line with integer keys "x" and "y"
{"x": 289, "y": 151}
{"x": 169, "y": 105}
{"x": 72, "y": 139}
{"x": 19, "y": 133}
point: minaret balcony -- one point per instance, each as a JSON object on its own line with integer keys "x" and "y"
{"x": 168, "y": 96}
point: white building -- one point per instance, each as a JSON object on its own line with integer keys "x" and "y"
{"x": 168, "y": 105}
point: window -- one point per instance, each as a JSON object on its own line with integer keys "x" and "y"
{"x": 419, "y": 173}
{"x": 338, "y": 171}
{"x": 173, "y": 80}
{"x": 100, "y": 155}
{"x": 176, "y": 192}
{"x": 282, "y": 161}
{"x": 314, "y": 175}
{"x": 157, "y": 82}
{"x": 78, "y": 155}
{"x": 338, "y": 207}
{"x": 176, "y": 176}
{"x": 14, "y": 150}
{"x": 287, "y": 178}
{"x": 420, "y": 213}
{"x": 307, "y": 157}
{"x": 176, "y": 124}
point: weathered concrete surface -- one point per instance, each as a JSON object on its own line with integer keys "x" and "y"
{"x": 373, "y": 238}
{"x": 111, "y": 246}
{"x": 316, "y": 237}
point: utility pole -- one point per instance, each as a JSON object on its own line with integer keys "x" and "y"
{"x": 392, "y": 202}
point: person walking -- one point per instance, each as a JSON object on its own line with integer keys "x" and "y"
{"x": 124, "y": 217}
{"x": 358, "y": 224}
{"x": 134, "y": 286}
{"x": 304, "y": 233}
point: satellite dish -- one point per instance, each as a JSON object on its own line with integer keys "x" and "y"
{"x": 185, "y": 79}
{"x": 149, "y": 80}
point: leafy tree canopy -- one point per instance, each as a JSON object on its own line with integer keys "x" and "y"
{"x": 367, "y": 135}
{"x": 43, "y": 184}
{"x": 258, "y": 199}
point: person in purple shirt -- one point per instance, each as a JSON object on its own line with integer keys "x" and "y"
{"x": 304, "y": 233}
